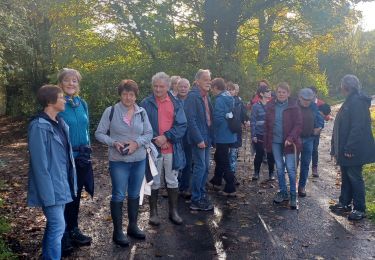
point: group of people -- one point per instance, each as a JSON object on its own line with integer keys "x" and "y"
{"x": 181, "y": 125}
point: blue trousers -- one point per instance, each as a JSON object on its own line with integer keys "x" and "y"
{"x": 352, "y": 187}
{"x": 126, "y": 177}
{"x": 54, "y": 232}
{"x": 201, "y": 162}
{"x": 285, "y": 161}
{"x": 307, "y": 148}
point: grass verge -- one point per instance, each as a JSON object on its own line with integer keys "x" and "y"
{"x": 369, "y": 176}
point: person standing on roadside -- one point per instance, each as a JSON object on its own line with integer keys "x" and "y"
{"x": 283, "y": 128}
{"x": 352, "y": 146}
{"x": 52, "y": 179}
{"x": 168, "y": 121}
{"x": 257, "y": 122}
{"x": 76, "y": 115}
{"x": 200, "y": 136}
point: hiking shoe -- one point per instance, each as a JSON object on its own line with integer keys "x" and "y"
{"x": 301, "y": 192}
{"x": 78, "y": 238}
{"x": 339, "y": 208}
{"x": 315, "y": 172}
{"x": 280, "y": 197}
{"x": 356, "y": 215}
{"x": 293, "y": 201}
{"x": 255, "y": 176}
{"x": 201, "y": 205}
{"x": 272, "y": 176}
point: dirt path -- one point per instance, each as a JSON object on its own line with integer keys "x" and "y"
{"x": 247, "y": 227}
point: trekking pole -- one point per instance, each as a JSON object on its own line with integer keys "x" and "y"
{"x": 296, "y": 165}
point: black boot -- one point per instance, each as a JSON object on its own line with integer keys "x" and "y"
{"x": 116, "y": 212}
{"x": 153, "y": 201}
{"x": 133, "y": 229}
{"x": 66, "y": 245}
{"x": 173, "y": 201}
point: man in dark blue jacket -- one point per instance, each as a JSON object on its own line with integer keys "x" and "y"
{"x": 200, "y": 135}
{"x": 168, "y": 121}
{"x": 353, "y": 146}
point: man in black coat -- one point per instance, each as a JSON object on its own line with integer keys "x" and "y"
{"x": 353, "y": 146}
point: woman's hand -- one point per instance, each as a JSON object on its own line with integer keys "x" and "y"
{"x": 119, "y": 146}
{"x": 132, "y": 147}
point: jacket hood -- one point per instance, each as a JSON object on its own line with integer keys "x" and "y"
{"x": 361, "y": 96}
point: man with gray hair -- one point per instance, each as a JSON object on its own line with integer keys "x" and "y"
{"x": 200, "y": 136}
{"x": 353, "y": 146}
{"x": 168, "y": 121}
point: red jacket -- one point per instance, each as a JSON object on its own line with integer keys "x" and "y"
{"x": 292, "y": 126}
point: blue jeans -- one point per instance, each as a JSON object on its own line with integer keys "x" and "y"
{"x": 54, "y": 232}
{"x": 352, "y": 187}
{"x": 307, "y": 148}
{"x": 282, "y": 161}
{"x": 315, "y": 154}
{"x": 185, "y": 178}
{"x": 201, "y": 163}
{"x": 126, "y": 177}
{"x": 233, "y": 155}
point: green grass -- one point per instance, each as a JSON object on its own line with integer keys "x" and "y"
{"x": 369, "y": 176}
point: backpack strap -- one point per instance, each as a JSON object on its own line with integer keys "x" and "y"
{"x": 110, "y": 118}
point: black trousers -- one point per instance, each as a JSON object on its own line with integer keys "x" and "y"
{"x": 222, "y": 169}
{"x": 72, "y": 208}
{"x": 353, "y": 187}
{"x": 259, "y": 153}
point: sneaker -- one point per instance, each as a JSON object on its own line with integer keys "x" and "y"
{"x": 293, "y": 201}
{"x": 201, "y": 206}
{"x": 340, "y": 209}
{"x": 301, "y": 192}
{"x": 271, "y": 176}
{"x": 315, "y": 172}
{"x": 280, "y": 197}
{"x": 356, "y": 215}
{"x": 78, "y": 238}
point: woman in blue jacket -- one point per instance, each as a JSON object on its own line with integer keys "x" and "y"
{"x": 52, "y": 175}
{"x": 77, "y": 117}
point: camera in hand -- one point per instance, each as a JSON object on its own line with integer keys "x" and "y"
{"x": 125, "y": 150}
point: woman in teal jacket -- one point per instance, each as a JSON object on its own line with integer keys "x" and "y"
{"x": 52, "y": 175}
{"x": 77, "y": 117}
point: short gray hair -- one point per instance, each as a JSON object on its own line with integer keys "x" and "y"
{"x": 181, "y": 80}
{"x": 175, "y": 79}
{"x": 350, "y": 83}
{"x": 161, "y": 76}
{"x": 200, "y": 72}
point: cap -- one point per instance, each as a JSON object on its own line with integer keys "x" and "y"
{"x": 263, "y": 89}
{"x": 307, "y": 93}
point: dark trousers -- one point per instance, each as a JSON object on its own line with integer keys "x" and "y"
{"x": 259, "y": 153}
{"x": 315, "y": 154}
{"x": 222, "y": 169}
{"x": 72, "y": 208}
{"x": 352, "y": 187}
{"x": 184, "y": 182}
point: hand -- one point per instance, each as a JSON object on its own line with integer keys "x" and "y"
{"x": 119, "y": 146}
{"x": 160, "y": 140}
{"x": 202, "y": 145}
{"x": 287, "y": 143}
{"x": 316, "y": 131}
{"x": 255, "y": 140}
{"x": 132, "y": 146}
{"x": 348, "y": 155}
{"x": 165, "y": 146}
{"x": 247, "y": 123}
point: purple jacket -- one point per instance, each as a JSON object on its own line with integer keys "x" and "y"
{"x": 292, "y": 126}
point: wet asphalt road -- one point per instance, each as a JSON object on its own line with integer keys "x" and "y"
{"x": 246, "y": 227}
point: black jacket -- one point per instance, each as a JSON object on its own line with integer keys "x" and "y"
{"x": 352, "y": 132}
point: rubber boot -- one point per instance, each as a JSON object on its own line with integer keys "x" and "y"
{"x": 173, "y": 203}
{"x": 116, "y": 212}
{"x": 153, "y": 201}
{"x": 133, "y": 229}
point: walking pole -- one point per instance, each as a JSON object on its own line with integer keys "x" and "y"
{"x": 296, "y": 165}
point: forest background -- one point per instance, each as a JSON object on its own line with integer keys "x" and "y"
{"x": 302, "y": 42}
